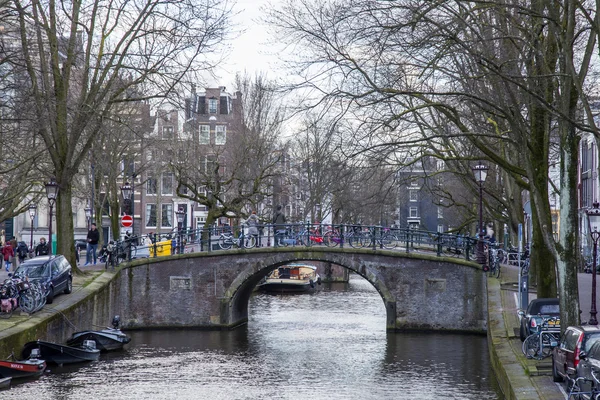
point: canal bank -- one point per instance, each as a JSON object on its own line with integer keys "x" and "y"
{"x": 518, "y": 377}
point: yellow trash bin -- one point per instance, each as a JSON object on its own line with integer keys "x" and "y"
{"x": 162, "y": 248}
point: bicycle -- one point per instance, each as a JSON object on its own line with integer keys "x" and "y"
{"x": 494, "y": 257}
{"x": 539, "y": 345}
{"x": 577, "y": 393}
{"x": 227, "y": 240}
{"x": 116, "y": 254}
{"x": 385, "y": 239}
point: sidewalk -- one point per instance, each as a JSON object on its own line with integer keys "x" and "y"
{"x": 519, "y": 377}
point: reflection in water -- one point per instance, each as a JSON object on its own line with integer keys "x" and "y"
{"x": 331, "y": 344}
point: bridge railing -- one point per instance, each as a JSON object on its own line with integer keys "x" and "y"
{"x": 301, "y": 235}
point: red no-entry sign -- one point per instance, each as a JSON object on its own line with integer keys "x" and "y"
{"x": 126, "y": 221}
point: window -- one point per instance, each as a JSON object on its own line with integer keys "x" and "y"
{"x": 167, "y": 183}
{"x": 168, "y": 132}
{"x": 220, "y": 134}
{"x": 440, "y": 212}
{"x": 167, "y": 215}
{"x": 151, "y": 185}
{"x": 413, "y": 195}
{"x": 212, "y": 105}
{"x": 413, "y": 212}
{"x": 440, "y": 228}
{"x": 150, "y": 215}
{"x": 204, "y": 137}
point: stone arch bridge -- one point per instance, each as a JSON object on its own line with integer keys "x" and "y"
{"x": 212, "y": 290}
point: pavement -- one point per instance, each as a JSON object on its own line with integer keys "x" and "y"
{"x": 519, "y": 377}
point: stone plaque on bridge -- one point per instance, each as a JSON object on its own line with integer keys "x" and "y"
{"x": 180, "y": 283}
{"x": 435, "y": 285}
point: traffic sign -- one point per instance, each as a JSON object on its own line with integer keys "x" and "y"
{"x": 126, "y": 221}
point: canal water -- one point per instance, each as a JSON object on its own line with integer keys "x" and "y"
{"x": 331, "y": 344}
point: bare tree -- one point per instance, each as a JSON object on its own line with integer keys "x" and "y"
{"x": 497, "y": 72}
{"x": 230, "y": 178}
{"x": 83, "y": 59}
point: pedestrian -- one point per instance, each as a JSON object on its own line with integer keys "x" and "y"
{"x": 8, "y": 253}
{"x": 278, "y": 225}
{"x": 14, "y": 244}
{"x": 42, "y": 248}
{"x": 21, "y": 251}
{"x": 93, "y": 237}
{"x": 252, "y": 223}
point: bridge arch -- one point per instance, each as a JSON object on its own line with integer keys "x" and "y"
{"x": 238, "y": 294}
{"x": 212, "y": 290}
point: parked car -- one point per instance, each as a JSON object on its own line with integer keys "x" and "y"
{"x": 589, "y": 369}
{"x": 575, "y": 342}
{"x": 532, "y": 317}
{"x": 54, "y": 271}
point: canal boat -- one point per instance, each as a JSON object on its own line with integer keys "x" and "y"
{"x": 54, "y": 353}
{"x": 30, "y": 368}
{"x": 5, "y": 383}
{"x": 108, "y": 339}
{"x": 291, "y": 278}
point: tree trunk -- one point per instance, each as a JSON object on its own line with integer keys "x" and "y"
{"x": 64, "y": 222}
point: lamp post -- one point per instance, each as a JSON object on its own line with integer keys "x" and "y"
{"x": 51, "y": 194}
{"x": 32, "y": 211}
{"x": 88, "y": 215}
{"x": 180, "y": 214}
{"x": 480, "y": 171}
{"x": 594, "y": 224}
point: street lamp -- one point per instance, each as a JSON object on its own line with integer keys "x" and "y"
{"x": 180, "y": 214}
{"x": 88, "y": 215}
{"x": 126, "y": 192}
{"x": 594, "y": 224}
{"x": 480, "y": 172}
{"x": 32, "y": 210}
{"x": 51, "y": 194}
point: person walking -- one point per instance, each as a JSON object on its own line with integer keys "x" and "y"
{"x": 278, "y": 225}
{"x": 42, "y": 248}
{"x": 252, "y": 223}
{"x": 93, "y": 237}
{"x": 8, "y": 253}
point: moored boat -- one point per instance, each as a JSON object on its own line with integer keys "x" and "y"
{"x": 108, "y": 339}
{"x": 291, "y": 278}
{"x": 5, "y": 383}
{"x": 55, "y": 353}
{"x": 29, "y": 368}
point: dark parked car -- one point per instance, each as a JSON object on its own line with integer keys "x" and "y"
{"x": 576, "y": 341}
{"x": 54, "y": 271}
{"x": 532, "y": 317}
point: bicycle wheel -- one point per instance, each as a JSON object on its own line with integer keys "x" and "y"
{"x": 389, "y": 241}
{"x": 250, "y": 242}
{"x": 531, "y": 346}
{"x": 6, "y": 314}
{"x": 331, "y": 239}
{"x": 225, "y": 242}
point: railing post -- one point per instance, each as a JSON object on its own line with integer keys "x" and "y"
{"x": 439, "y": 244}
{"x": 468, "y": 249}
{"x": 374, "y": 237}
{"x": 407, "y": 239}
{"x": 155, "y": 245}
{"x": 341, "y": 236}
{"x": 209, "y": 239}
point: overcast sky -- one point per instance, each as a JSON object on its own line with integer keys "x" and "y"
{"x": 250, "y": 50}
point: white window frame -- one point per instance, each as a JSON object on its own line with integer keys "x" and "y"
{"x": 204, "y": 134}
{"x": 440, "y": 212}
{"x": 166, "y": 215}
{"x": 212, "y": 106}
{"x": 440, "y": 228}
{"x": 413, "y": 212}
{"x": 149, "y": 185}
{"x": 413, "y": 195}
{"x": 220, "y": 134}
{"x": 149, "y": 207}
